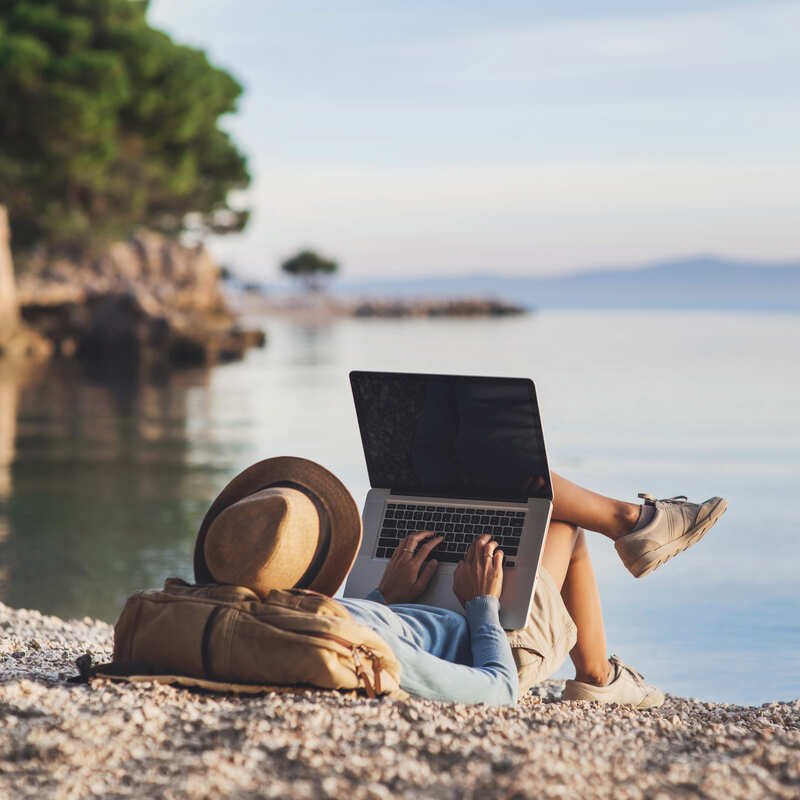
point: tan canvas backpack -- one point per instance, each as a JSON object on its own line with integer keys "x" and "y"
{"x": 228, "y": 638}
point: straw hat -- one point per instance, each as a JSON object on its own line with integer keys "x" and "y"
{"x": 282, "y": 523}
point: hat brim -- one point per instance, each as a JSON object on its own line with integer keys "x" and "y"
{"x": 343, "y": 516}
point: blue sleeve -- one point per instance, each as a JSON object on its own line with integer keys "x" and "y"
{"x": 492, "y": 679}
{"x": 376, "y": 597}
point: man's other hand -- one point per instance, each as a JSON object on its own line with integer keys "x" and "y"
{"x": 480, "y": 572}
{"x": 408, "y": 574}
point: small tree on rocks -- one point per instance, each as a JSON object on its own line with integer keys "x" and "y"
{"x": 310, "y": 268}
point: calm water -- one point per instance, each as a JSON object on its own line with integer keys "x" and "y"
{"x": 106, "y": 482}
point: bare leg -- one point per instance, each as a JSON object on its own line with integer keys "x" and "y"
{"x": 582, "y": 599}
{"x": 566, "y": 558}
{"x": 595, "y": 512}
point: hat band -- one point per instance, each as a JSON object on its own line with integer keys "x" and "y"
{"x": 324, "y": 543}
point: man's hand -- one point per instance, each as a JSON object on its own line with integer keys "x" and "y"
{"x": 481, "y": 571}
{"x": 407, "y": 574}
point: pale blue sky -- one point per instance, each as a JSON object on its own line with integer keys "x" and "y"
{"x": 407, "y": 137}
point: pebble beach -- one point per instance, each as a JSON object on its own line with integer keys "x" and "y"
{"x": 122, "y": 740}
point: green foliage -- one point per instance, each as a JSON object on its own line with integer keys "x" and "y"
{"x": 309, "y": 266}
{"x": 106, "y": 124}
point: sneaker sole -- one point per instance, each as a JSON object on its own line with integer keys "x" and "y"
{"x": 648, "y": 701}
{"x": 660, "y": 555}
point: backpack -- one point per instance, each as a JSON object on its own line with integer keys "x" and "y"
{"x": 227, "y": 638}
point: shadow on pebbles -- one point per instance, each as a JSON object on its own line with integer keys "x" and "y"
{"x": 116, "y": 740}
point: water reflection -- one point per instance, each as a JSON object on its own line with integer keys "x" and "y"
{"x": 312, "y": 343}
{"x": 10, "y": 378}
{"x": 111, "y": 476}
{"x": 105, "y": 498}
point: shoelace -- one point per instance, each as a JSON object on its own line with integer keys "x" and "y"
{"x": 637, "y": 676}
{"x": 651, "y": 498}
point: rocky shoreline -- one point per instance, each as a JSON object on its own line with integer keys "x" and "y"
{"x": 146, "y": 302}
{"x": 320, "y": 307}
{"x": 118, "y": 740}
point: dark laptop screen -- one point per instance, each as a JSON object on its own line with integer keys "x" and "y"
{"x": 452, "y": 436}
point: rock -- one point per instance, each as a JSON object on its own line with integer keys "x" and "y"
{"x": 148, "y": 301}
{"x": 9, "y": 312}
{"x": 17, "y": 341}
{"x": 462, "y": 307}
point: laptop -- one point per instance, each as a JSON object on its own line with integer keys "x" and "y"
{"x": 461, "y": 456}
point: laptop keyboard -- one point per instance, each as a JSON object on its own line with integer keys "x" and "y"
{"x": 459, "y": 526}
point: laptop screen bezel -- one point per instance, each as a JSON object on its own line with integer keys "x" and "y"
{"x": 355, "y": 375}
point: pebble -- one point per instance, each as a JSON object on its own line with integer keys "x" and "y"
{"x": 148, "y": 740}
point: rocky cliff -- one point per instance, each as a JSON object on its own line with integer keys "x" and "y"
{"x": 9, "y": 316}
{"x": 147, "y": 300}
{"x": 16, "y": 339}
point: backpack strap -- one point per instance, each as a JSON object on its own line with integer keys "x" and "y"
{"x": 119, "y": 669}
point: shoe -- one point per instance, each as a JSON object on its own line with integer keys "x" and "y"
{"x": 626, "y": 688}
{"x": 676, "y": 525}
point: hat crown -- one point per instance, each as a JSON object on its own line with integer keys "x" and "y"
{"x": 266, "y": 540}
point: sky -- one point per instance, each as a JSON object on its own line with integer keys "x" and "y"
{"x": 436, "y": 137}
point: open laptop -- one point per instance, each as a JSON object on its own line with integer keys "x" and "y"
{"x": 460, "y": 456}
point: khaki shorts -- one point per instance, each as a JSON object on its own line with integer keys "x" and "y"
{"x": 541, "y": 646}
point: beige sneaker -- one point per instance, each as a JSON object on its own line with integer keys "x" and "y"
{"x": 676, "y": 525}
{"x": 626, "y": 688}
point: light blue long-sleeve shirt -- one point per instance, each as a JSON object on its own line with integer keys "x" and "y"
{"x": 444, "y": 655}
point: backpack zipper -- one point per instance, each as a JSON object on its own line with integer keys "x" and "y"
{"x": 372, "y": 689}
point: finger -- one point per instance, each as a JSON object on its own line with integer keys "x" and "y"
{"x": 408, "y": 545}
{"x": 424, "y": 549}
{"x": 425, "y": 575}
{"x": 415, "y": 538}
{"x": 468, "y": 555}
{"x": 474, "y": 549}
{"x": 483, "y": 543}
{"x": 401, "y": 550}
{"x": 497, "y": 565}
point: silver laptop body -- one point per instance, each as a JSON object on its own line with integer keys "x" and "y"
{"x": 460, "y": 456}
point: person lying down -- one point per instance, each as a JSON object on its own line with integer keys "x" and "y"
{"x": 290, "y": 523}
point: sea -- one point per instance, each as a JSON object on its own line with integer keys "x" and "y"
{"x": 104, "y": 478}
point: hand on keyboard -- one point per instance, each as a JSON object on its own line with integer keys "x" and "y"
{"x": 408, "y": 574}
{"x": 481, "y": 571}
{"x": 458, "y": 526}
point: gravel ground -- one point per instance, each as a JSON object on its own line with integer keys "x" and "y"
{"x": 117, "y": 740}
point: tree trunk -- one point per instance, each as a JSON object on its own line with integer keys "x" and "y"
{"x": 9, "y": 312}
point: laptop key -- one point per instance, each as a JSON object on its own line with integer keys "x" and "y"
{"x": 447, "y": 558}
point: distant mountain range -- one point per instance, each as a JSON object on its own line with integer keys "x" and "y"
{"x": 701, "y": 282}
